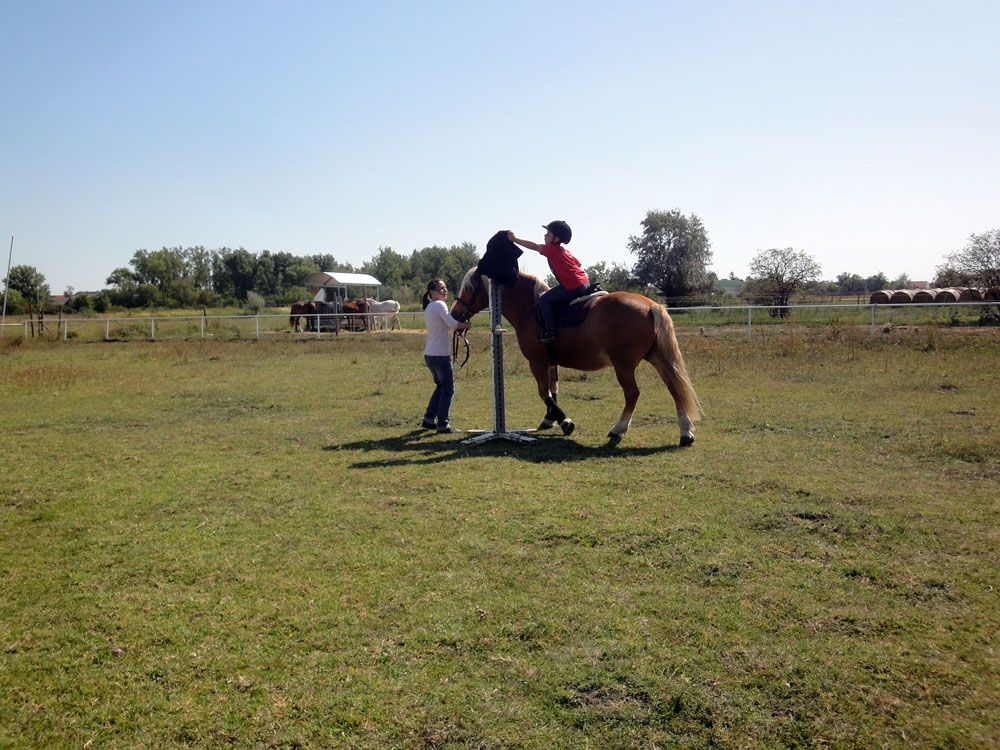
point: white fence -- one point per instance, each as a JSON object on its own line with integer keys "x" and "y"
{"x": 160, "y": 327}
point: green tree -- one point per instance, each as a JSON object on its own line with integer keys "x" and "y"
{"x": 876, "y": 282}
{"x": 979, "y": 260}
{"x": 947, "y": 275}
{"x": 900, "y": 282}
{"x": 29, "y": 283}
{"x": 776, "y": 274}
{"x": 233, "y": 273}
{"x": 326, "y": 262}
{"x": 850, "y": 283}
{"x": 124, "y": 286}
{"x": 198, "y": 266}
{"x": 389, "y": 267}
{"x": 614, "y": 278}
{"x": 673, "y": 253}
{"x": 438, "y": 262}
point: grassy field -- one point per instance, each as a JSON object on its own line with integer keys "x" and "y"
{"x": 247, "y": 544}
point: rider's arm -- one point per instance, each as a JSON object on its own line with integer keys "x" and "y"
{"x": 523, "y": 243}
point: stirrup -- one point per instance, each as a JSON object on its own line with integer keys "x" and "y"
{"x": 547, "y": 336}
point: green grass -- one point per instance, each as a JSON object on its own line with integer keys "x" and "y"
{"x": 247, "y": 544}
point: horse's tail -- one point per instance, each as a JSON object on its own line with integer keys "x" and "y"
{"x": 673, "y": 371}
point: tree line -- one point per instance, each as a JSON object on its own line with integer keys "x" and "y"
{"x": 672, "y": 258}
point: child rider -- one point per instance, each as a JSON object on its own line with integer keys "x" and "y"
{"x": 571, "y": 279}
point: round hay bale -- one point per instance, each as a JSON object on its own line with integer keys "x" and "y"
{"x": 901, "y": 296}
{"x": 969, "y": 294}
{"x": 991, "y": 295}
{"x": 923, "y": 295}
{"x": 947, "y": 295}
{"x": 880, "y": 298}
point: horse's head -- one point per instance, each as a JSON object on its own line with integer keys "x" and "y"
{"x": 471, "y": 296}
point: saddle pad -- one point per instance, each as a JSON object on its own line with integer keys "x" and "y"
{"x": 573, "y": 313}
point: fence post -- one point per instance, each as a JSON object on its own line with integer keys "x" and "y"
{"x": 749, "y": 322}
{"x": 873, "y": 321}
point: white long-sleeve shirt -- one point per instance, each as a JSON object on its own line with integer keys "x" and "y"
{"x": 439, "y": 324}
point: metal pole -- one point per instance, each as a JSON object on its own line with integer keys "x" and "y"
{"x": 499, "y": 420}
{"x": 6, "y": 286}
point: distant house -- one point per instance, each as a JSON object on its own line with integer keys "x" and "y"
{"x": 64, "y": 299}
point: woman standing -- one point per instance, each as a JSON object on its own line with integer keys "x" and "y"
{"x": 439, "y": 324}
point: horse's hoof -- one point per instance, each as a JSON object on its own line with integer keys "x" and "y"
{"x": 545, "y": 425}
{"x": 687, "y": 440}
{"x": 567, "y": 426}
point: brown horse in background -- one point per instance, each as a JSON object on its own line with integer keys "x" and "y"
{"x": 356, "y": 311}
{"x": 620, "y": 330}
{"x": 298, "y": 310}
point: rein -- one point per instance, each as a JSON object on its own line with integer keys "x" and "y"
{"x": 459, "y": 334}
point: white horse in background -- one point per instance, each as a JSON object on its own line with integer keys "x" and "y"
{"x": 387, "y": 310}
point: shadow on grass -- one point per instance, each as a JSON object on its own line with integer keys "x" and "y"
{"x": 426, "y": 447}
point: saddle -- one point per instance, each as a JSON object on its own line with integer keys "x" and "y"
{"x": 574, "y": 312}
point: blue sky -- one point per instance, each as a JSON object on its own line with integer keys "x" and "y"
{"x": 864, "y": 133}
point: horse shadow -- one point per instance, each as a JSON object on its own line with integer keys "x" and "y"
{"x": 425, "y": 447}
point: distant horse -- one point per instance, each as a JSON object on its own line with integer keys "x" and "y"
{"x": 389, "y": 308}
{"x": 357, "y": 312}
{"x": 298, "y": 310}
{"x": 621, "y": 329}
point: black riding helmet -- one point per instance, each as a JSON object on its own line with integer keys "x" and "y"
{"x": 561, "y": 230}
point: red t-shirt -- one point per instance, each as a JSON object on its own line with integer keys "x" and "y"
{"x": 564, "y": 266}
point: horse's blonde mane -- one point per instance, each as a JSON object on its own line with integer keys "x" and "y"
{"x": 538, "y": 286}
{"x": 467, "y": 283}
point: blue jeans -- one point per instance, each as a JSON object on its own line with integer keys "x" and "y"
{"x": 554, "y": 296}
{"x": 444, "y": 390}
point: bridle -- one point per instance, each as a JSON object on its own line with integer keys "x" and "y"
{"x": 463, "y": 316}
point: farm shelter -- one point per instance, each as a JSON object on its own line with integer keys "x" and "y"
{"x": 332, "y": 286}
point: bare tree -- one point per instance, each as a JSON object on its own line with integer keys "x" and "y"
{"x": 978, "y": 261}
{"x": 775, "y": 275}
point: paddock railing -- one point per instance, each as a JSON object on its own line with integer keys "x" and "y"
{"x": 732, "y": 319}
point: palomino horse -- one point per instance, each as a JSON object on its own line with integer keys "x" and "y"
{"x": 387, "y": 307}
{"x": 621, "y": 330}
{"x": 298, "y": 310}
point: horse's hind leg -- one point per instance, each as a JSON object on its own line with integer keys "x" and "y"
{"x": 683, "y": 420}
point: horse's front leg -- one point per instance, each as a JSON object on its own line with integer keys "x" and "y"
{"x": 547, "y": 378}
{"x": 630, "y": 389}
